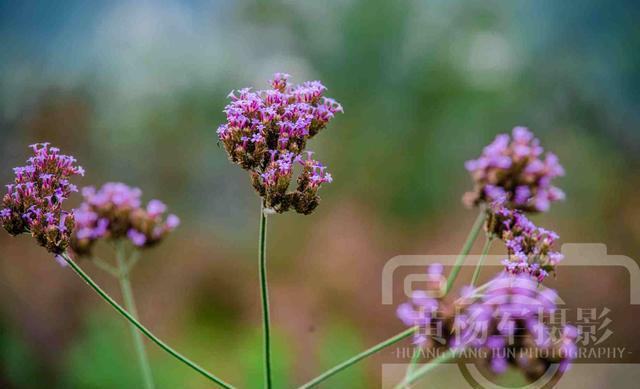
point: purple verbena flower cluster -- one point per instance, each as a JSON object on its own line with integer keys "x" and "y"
{"x": 115, "y": 212}
{"x": 266, "y": 133}
{"x": 33, "y": 203}
{"x": 510, "y": 315}
{"x": 423, "y": 308}
{"x": 529, "y": 246}
{"x": 512, "y": 168}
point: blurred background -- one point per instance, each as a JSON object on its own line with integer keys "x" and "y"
{"x": 135, "y": 90}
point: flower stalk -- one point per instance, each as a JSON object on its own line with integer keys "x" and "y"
{"x": 414, "y": 361}
{"x": 264, "y": 293}
{"x": 483, "y": 256}
{"x": 130, "y": 305}
{"x": 105, "y": 266}
{"x": 142, "y": 328}
{"x": 420, "y": 372}
{"x": 471, "y": 238}
{"x": 357, "y": 358}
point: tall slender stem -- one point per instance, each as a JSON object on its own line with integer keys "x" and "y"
{"x": 417, "y": 374}
{"x": 130, "y": 305}
{"x": 142, "y": 328}
{"x": 264, "y": 292}
{"x": 357, "y": 358}
{"x": 473, "y": 234}
{"x": 414, "y": 361}
{"x": 483, "y": 256}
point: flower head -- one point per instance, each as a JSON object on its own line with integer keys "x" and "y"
{"x": 512, "y": 314}
{"x": 514, "y": 169}
{"x": 529, "y": 246}
{"x": 33, "y": 203}
{"x": 504, "y": 318}
{"x": 115, "y": 212}
{"x": 266, "y": 133}
{"x": 423, "y": 308}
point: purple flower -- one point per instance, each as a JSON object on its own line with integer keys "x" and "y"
{"x": 172, "y": 222}
{"x": 137, "y": 238}
{"x": 435, "y": 269}
{"x": 280, "y": 81}
{"x": 522, "y": 195}
{"x": 568, "y": 348}
{"x": 422, "y": 309}
{"x": 155, "y": 208}
{"x": 33, "y": 203}
{"x": 267, "y": 131}
{"x": 114, "y": 194}
{"x": 511, "y": 167}
{"x": 494, "y": 193}
{"x": 501, "y": 318}
{"x": 529, "y": 246}
{"x": 115, "y": 212}
{"x": 508, "y": 315}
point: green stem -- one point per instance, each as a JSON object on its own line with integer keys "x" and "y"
{"x": 142, "y": 328}
{"x": 130, "y": 305}
{"x": 357, "y": 358}
{"x": 264, "y": 292}
{"x": 414, "y": 361}
{"x": 444, "y": 357}
{"x": 106, "y": 266}
{"x": 133, "y": 259}
{"x": 483, "y": 256}
{"x": 473, "y": 234}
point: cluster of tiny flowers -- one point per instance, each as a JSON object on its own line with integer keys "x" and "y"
{"x": 529, "y": 246}
{"x": 33, "y": 203}
{"x": 266, "y": 133}
{"x": 423, "y": 308}
{"x": 513, "y": 168}
{"x": 510, "y": 315}
{"x": 507, "y": 321}
{"x": 115, "y": 212}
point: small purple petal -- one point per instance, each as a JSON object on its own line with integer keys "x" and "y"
{"x": 137, "y": 238}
